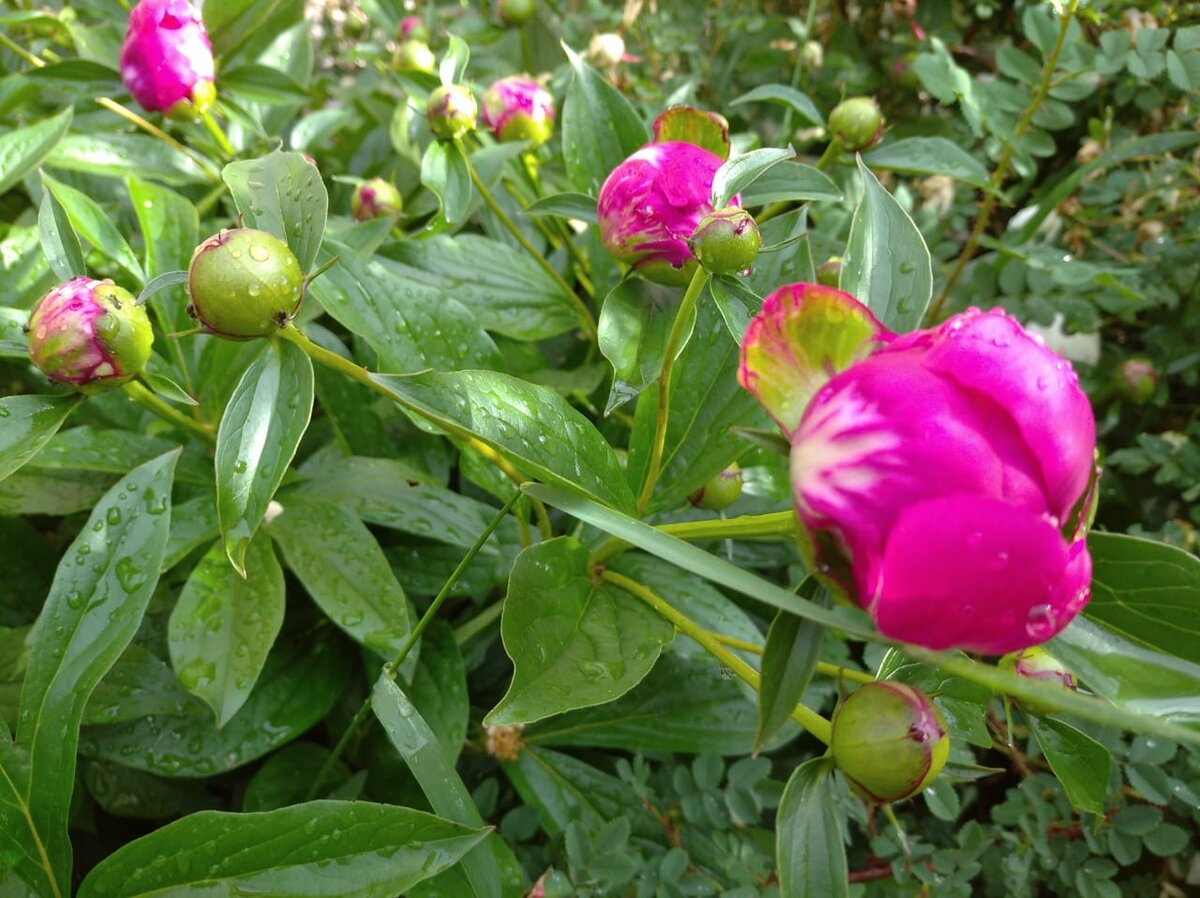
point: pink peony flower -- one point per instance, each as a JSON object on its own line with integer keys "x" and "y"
{"x": 519, "y": 109}
{"x": 650, "y": 205}
{"x": 167, "y": 60}
{"x": 942, "y": 477}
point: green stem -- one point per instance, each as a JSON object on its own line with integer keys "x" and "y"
{"x": 218, "y": 134}
{"x": 683, "y": 320}
{"x": 209, "y": 199}
{"x": 806, "y": 717}
{"x": 480, "y": 622}
{"x": 747, "y": 526}
{"x": 824, "y": 668}
{"x": 829, "y": 156}
{"x": 586, "y": 321}
{"x": 391, "y": 668}
{"x": 138, "y": 392}
{"x": 1001, "y": 172}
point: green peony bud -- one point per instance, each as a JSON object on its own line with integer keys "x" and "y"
{"x": 244, "y": 284}
{"x": 1035, "y": 663}
{"x": 451, "y": 111}
{"x": 1136, "y": 380}
{"x": 726, "y": 241}
{"x": 829, "y": 272}
{"x": 889, "y": 740}
{"x": 720, "y": 491}
{"x": 856, "y": 123}
{"x": 90, "y": 334}
{"x": 414, "y": 56}
{"x": 515, "y": 12}
{"x": 375, "y": 198}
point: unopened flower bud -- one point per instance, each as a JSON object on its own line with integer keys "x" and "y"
{"x": 413, "y": 28}
{"x": 606, "y": 50}
{"x": 719, "y": 491}
{"x": 829, "y": 272}
{"x": 451, "y": 111}
{"x": 889, "y": 740}
{"x": 856, "y": 123}
{"x": 167, "y": 60}
{"x": 726, "y": 241}
{"x": 515, "y": 12}
{"x": 812, "y": 54}
{"x": 519, "y": 109}
{"x": 414, "y": 56}
{"x": 375, "y": 198}
{"x": 1136, "y": 380}
{"x": 1035, "y": 663}
{"x": 243, "y": 284}
{"x": 90, "y": 334}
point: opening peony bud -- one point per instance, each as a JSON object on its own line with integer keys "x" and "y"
{"x": 167, "y": 60}
{"x": 889, "y": 740}
{"x": 413, "y": 28}
{"x": 414, "y": 56}
{"x": 719, "y": 492}
{"x": 726, "y": 241}
{"x": 375, "y": 198}
{"x": 90, "y": 334}
{"x": 856, "y": 123}
{"x": 244, "y": 284}
{"x": 519, "y": 109}
{"x": 451, "y": 111}
{"x": 515, "y": 12}
{"x": 829, "y": 272}
{"x": 1136, "y": 380}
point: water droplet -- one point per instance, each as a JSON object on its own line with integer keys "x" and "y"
{"x": 907, "y": 267}
{"x": 75, "y": 599}
{"x": 113, "y": 516}
{"x": 1040, "y": 623}
{"x": 259, "y": 253}
{"x": 129, "y": 574}
{"x": 1043, "y": 383}
{"x": 999, "y": 561}
{"x": 1001, "y": 342}
{"x": 197, "y": 674}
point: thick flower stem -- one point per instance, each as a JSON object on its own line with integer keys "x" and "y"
{"x": 218, "y": 134}
{"x": 675, "y": 339}
{"x": 756, "y": 526}
{"x": 806, "y": 717}
{"x": 393, "y": 666}
{"x": 147, "y": 400}
{"x": 586, "y": 321}
{"x": 1003, "y": 164}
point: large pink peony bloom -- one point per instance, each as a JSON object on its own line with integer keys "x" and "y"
{"x": 167, "y": 59}
{"x": 651, "y": 203}
{"x": 519, "y": 109}
{"x": 942, "y": 477}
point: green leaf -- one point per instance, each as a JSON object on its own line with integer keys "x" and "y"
{"x": 887, "y": 265}
{"x": 794, "y": 182}
{"x": 21, "y": 150}
{"x": 742, "y": 171}
{"x": 29, "y": 423}
{"x": 501, "y": 286}
{"x": 81, "y": 72}
{"x": 283, "y": 194}
{"x": 169, "y": 224}
{"x": 808, "y": 843}
{"x": 444, "y": 171}
{"x": 413, "y": 327}
{"x": 599, "y": 127}
{"x": 632, "y": 331}
{"x": 100, "y": 592}
{"x": 439, "y": 688}
{"x": 263, "y": 84}
{"x": 232, "y": 22}
{"x": 929, "y": 156}
{"x": 564, "y": 789}
{"x": 284, "y": 778}
{"x": 116, "y": 452}
{"x": 340, "y": 564}
{"x": 139, "y": 684}
{"x": 224, "y": 625}
{"x": 573, "y": 642}
{"x": 121, "y": 155}
{"x": 59, "y": 241}
{"x": 258, "y": 436}
{"x": 788, "y": 96}
{"x": 532, "y": 427}
{"x": 133, "y": 794}
{"x": 439, "y": 781}
{"x": 578, "y": 206}
{"x": 789, "y": 659}
{"x": 453, "y": 67}
{"x": 321, "y": 848}
{"x": 14, "y": 344}
{"x": 95, "y": 225}
{"x": 1081, "y": 763}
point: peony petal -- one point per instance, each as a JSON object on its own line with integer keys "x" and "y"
{"x": 977, "y": 573}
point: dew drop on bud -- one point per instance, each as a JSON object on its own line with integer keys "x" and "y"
{"x": 1040, "y": 622}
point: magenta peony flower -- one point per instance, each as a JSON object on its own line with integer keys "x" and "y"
{"x": 519, "y": 109}
{"x": 942, "y": 477}
{"x": 167, "y": 60}
{"x": 651, "y": 204}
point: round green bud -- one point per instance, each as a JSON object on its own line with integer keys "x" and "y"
{"x": 726, "y": 241}
{"x": 244, "y": 284}
{"x": 720, "y": 491}
{"x": 375, "y": 198}
{"x": 515, "y": 12}
{"x": 451, "y": 111}
{"x": 415, "y": 56}
{"x": 889, "y": 740}
{"x": 829, "y": 272}
{"x": 856, "y": 123}
{"x": 1035, "y": 663}
{"x": 1136, "y": 380}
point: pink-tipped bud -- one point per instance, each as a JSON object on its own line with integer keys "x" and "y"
{"x": 413, "y": 28}
{"x": 726, "y": 241}
{"x": 451, "y": 111}
{"x": 829, "y": 272}
{"x": 414, "y": 56}
{"x": 856, "y": 123}
{"x": 375, "y": 198}
{"x": 243, "y": 284}
{"x": 167, "y": 59}
{"x": 719, "y": 491}
{"x": 89, "y": 334}
{"x": 519, "y": 109}
{"x": 1137, "y": 380}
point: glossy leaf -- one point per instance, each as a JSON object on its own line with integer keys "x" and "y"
{"x": 573, "y": 642}
{"x": 789, "y": 659}
{"x": 1081, "y": 763}
{"x": 444, "y": 171}
{"x": 887, "y": 265}
{"x": 578, "y": 206}
{"x": 139, "y": 684}
{"x": 123, "y": 792}
{"x": 23, "y": 148}
{"x": 742, "y": 171}
{"x": 14, "y": 343}
{"x": 283, "y": 194}
{"x": 321, "y": 848}
{"x": 284, "y": 778}
{"x": 632, "y": 333}
{"x": 793, "y": 182}
{"x": 28, "y": 424}
{"x": 929, "y": 156}
{"x": 453, "y": 67}
{"x": 95, "y": 226}
{"x": 808, "y": 839}
{"x": 260, "y": 430}
{"x": 788, "y": 96}
{"x": 59, "y": 241}
{"x": 224, "y": 624}
{"x": 121, "y": 155}
{"x": 169, "y": 225}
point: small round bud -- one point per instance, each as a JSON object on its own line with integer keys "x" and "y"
{"x": 856, "y": 123}
{"x": 243, "y": 284}
{"x": 829, "y": 272}
{"x": 1136, "y": 380}
{"x": 375, "y": 198}
{"x": 89, "y": 334}
{"x": 812, "y": 54}
{"x": 515, "y": 12}
{"x": 719, "y": 492}
{"x": 451, "y": 111}
{"x": 413, "y": 28}
{"x": 519, "y": 109}
{"x": 726, "y": 241}
{"x": 1035, "y": 663}
{"x": 414, "y": 56}
{"x": 889, "y": 740}
{"x": 606, "y": 49}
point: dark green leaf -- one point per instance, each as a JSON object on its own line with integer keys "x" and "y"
{"x": 788, "y": 96}
{"x": 139, "y": 684}
{"x": 121, "y": 155}
{"x": 742, "y": 171}
{"x": 29, "y": 423}
{"x": 169, "y": 224}
{"x": 444, "y": 171}
{"x": 285, "y": 776}
{"x": 95, "y": 225}
{"x": 284, "y": 195}
{"x": 1081, "y": 763}
{"x": 929, "y": 156}
{"x": 14, "y": 344}
{"x": 59, "y": 241}
{"x": 123, "y": 792}
{"x": 808, "y": 845}
{"x": 263, "y": 84}
{"x": 578, "y": 206}
{"x": 793, "y": 183}
{"x": 789, "y": 659}
{"x": 632, "y": 331}
{"x": 22, "y": 149}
